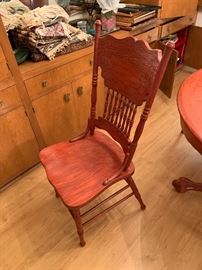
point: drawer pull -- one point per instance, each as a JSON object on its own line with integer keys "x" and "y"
{"x": 66, "y": 97}
{"x": 44, "y": 83}
{"x": 1, "y": 103}
{"x": 149, "y": 38}
{"x": 91, "y": 62}
{"x": 79, "y": 91}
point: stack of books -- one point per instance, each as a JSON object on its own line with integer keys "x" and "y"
{"x": 129, "y": 18}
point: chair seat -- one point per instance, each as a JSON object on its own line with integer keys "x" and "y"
{"x": 77, "y": 170}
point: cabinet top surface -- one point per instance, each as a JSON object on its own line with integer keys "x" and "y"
{"x": 31, "y": 69}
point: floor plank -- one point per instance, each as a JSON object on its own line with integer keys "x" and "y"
{"x": 37, "y": 232}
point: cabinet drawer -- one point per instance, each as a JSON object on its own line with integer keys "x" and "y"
{"x": 149, "y": 36}
{"x": 9, "y": 99}
{"x": 49, "y": 80}
{"x": 176, "y": 25}
{"x": 82, "y": 65}
{"x": 178, "y": 8}
{"x": 171, "y": 8}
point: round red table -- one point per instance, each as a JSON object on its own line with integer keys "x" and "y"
{"x": 189, "y": 103}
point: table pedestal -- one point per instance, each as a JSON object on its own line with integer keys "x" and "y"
{"x": 183, "y": 184}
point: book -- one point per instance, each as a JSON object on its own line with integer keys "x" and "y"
{"x": 140, "y": 27}
{"x": 136, "y": 17}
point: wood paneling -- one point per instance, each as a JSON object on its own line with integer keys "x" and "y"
{"x": 8, "y": 53}
{"x": 4, "y": 71}
{"x": 2, "y": 58}
{"x": 18, "y": 146}
{"x": 9, "y": 99}
{"x": 56, "y": 115}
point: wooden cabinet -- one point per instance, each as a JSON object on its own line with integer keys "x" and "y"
{"x": 61, "y": 97}
{"x": 47, "y": 81}
{"x": 9, "y": 99}
{"x": 56, "y": 115}
{"x": 171, "y": 8}
{"x": 4, "y": 70}
{"x": 18, "y": 146}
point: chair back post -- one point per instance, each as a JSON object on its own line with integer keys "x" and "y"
{"x": 161, "y": 70}
{"x": 94, "y": 78}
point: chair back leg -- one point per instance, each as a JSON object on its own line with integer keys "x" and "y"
{"x": 77, "y": 218}
{"x": 135, "y": 190}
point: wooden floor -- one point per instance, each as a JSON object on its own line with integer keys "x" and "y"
{"x": 38, "y": 233}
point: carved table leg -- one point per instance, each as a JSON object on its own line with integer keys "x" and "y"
{"x": 183, "y": 184}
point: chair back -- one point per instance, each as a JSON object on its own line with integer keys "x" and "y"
{"x": 132, "y": 73}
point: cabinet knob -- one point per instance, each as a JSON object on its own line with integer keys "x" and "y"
{"x": 149, "y": 38}
{"x": 1, "y": 103}
{"x": 66, "y": 97}
{"x": 79, "y": 91}
{"x": 91, "y": 62}
{"x": 44, "y": 83}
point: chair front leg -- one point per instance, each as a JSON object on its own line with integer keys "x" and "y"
{"x": 77, "y": 218}
{"x": 135, "y": 190}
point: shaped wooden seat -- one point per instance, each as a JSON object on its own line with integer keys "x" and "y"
{"x": 83, "y": 168}
{"x": 99, "y": 156}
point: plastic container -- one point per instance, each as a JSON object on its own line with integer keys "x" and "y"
{"x": 82, "y": 25}
{"x": 108, "y": 21}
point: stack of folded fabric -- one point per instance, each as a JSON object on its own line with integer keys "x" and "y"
{"x": 11, "y": 12}
{"x": 46, "y": 33}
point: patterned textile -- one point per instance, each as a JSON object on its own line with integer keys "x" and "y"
{"x": 36, "y": 56}
{"x": 46, "y": 31}
{"x": 53, "y": 40}
{"x": 11, "y": 12}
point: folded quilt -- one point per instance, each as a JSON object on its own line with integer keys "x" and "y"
{"x": 44, "y": 30}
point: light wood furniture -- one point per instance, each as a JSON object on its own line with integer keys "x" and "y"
{"x": 85, "y": 167}
{"x": 169, "y": 8}
{"x": 55, "y": 95}
{"x": 54, "y": 98}
{"x": 18, "y": 145}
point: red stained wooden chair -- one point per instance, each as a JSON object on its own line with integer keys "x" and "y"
{"x": 83, "y": 168}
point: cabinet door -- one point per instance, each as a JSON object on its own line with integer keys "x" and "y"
{"x": 193, "y": 55}
{"x": 56, "y": 116}
{"x": 82, "y": 95}
{"x": 18, "y": 146}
